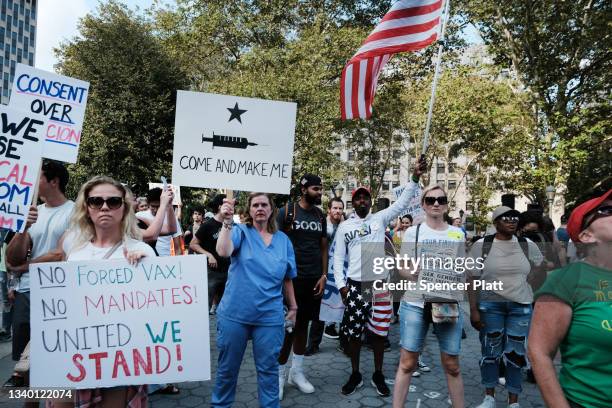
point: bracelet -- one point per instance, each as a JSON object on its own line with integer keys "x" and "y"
{"x": 228, "y": 225}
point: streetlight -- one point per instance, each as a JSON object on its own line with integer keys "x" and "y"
{"x": 550, "y": 197}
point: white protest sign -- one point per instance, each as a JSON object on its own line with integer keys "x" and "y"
{"x": 223, "y": 141}
{"x": 414, "y": 208}
{"x": 61, "y": 100}
{"x": 175, "y": 189}
{"x": 106, "y": 323}
{"x": 21, "y": 143}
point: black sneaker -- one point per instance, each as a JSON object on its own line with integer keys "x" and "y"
{"x": 355, "y": 381}
{"x": 14, "y": 382}
{"x": 331, "y": 332}
{"x": 312, "y": 350}
{"x": 5, "y": 336}
{"x": 378, "y": 381}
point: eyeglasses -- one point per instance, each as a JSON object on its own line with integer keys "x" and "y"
{"x": 601, "y": 212}
{"x": 509, "y": 220}
{"x": 431, "y": 200}
{"x": 111, "y": 202}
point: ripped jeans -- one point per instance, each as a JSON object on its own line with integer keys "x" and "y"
{"x": 504, "y": 336}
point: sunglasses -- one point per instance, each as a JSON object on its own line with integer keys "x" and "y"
{"x": 111, "y": 202}
{"x": 431, "y": 200}
{"x": 509, "y": 220}
{"x": 601, "y": 212}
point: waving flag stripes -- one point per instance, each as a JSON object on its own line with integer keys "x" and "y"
{"x": 410, "y": 25}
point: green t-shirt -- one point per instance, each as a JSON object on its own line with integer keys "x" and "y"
{"x": 586, "y": 350}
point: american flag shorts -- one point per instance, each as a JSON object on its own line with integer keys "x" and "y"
{"x": 375, "y": 314}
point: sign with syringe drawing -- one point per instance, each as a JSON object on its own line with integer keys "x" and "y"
{"x": 232, "y": 142}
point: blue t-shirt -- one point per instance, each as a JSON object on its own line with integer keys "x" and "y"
{"x": 254, "y": 290}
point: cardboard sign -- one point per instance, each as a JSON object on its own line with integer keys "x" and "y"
{"x": 21, "y": 143}
{"x": 61, "y": 100}
{"x": 223, "y": 141}
{"x": 414, "y": 209}
{"x": 106, "y": 323}
{"x": 175, "y": 189}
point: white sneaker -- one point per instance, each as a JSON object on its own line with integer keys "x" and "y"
{"x": 487, "y": 402}
{"x": 213, "y": 310}
{"x": 423, "y": 367}
{"x": 298, "y": 379}
{"x": 514, "y": 405}
{"x": 416, "y": 374}
{"x": 281, "y": 382}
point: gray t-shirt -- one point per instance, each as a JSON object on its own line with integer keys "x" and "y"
{"x": 51, "y": 224}
{"x": 305, "y": 235}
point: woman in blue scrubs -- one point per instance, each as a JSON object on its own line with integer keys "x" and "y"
{"x": 262, "y": 267}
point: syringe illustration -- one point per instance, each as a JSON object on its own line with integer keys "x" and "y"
{"x": 228, "y": 141}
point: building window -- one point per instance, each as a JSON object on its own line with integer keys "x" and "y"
{"x": 440, "y": 168}
{"x": 351, "y": 155}
{"x": 349, "y": 205}
{"x": 396, "y": 170}
{"x": 452, "y": 167}
{"x": 452, "y": 184}
{"x": 397, "y": 154}
{"x": 469, "y": 206}
{"x": 395, "y": 184}
{"x": 440, "y": 182}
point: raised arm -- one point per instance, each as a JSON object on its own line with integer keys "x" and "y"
{"x": 402, "y": 203}
{"x": 225, "y": 246}
{"x": 157, "y": 227}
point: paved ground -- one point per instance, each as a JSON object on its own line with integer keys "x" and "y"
{"x": 328, "y": 370}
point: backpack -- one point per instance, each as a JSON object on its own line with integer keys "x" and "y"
{"x": 488, "y": 243}
{"x": 291, "y": 210}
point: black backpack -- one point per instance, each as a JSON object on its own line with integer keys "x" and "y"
{"x": 488, "y": 243}
{"x": 291, "y": 210}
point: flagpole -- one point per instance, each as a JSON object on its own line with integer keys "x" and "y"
{"x": 434, "y": 84}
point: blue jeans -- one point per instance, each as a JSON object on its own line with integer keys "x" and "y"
{"x": 232, "y": 339}
{"x": 504, "y": 335}
{"x": 414, "y": 326}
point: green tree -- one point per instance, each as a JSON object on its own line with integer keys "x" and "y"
{"x": 129, "y": 122}
{"x": 561, "y": 52}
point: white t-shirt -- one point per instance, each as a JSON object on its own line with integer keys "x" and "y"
{"x": 506, "y": 262}
{"x": 88, "y": 251}
{"x": 447, "y": 243}
{"x": 51, "y": 224}
{"x": 162, "y": 246}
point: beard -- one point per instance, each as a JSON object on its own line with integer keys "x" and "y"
{"x": 313, "y": 200}
{"x": 362, "y": 210}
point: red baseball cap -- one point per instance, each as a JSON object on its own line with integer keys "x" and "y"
{"x": 576, "y": 220}
{"x": 360, "y": 189}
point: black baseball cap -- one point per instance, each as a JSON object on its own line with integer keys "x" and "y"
{"x": 309, "y": 180}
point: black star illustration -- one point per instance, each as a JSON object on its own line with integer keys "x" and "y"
{"x": 235, "y": 113}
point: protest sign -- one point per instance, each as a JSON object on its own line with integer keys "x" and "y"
{"x": 175, "y": 189}
{"x": 21, "y": 143}
{"x": 61, "y": 100}
{"x": 414, "y": 208}
{"x": 332, "y": 307}
{"x": 106, "y": 323}
{"x": 223, "y": 141}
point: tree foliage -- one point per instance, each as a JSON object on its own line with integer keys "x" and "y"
{"x": 129, "y": 123}
{"x": 561, "y": 51}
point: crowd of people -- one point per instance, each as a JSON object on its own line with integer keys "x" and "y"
{"x": 268, "y": 270}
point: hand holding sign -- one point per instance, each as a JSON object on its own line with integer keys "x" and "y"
{"x": 227, "y": 209}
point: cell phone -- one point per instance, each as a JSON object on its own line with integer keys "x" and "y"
{"x": 164, "y": 182}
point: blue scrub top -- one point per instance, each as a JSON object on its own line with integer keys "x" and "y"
{"x": 254, "y": 289}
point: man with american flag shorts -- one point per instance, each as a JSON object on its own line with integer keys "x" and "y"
{"x": 365, "y": 309}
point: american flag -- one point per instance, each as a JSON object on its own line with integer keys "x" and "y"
{"x": 410, "y": 25}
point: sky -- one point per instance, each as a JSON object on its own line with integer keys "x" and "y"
{"x": 58, "y": 24}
